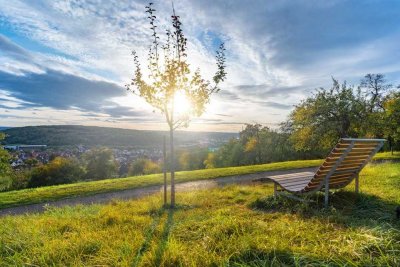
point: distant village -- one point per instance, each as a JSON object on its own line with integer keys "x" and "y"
{"x": 23, "y": 156}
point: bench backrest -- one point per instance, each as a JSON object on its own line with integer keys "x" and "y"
{"x": 344, "y": 162}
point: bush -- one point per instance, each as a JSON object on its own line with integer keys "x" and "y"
{"x": 5, "y": 169}
{"x": 100, "y": 164}
{"x": 143, "y": 166}
{"x": 58, "y": 171}
{"x": 20, "y": 180}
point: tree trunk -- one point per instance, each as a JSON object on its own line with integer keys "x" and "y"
{"x": 171, "y": 136}
{"x": 165, "y": 170}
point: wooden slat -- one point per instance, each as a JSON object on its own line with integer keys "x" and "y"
{"x": 356, "y": 161}
{"x": 325, "y": 172}
{"x": 344, "y": 163}
{"x": 321, "y": 177}
{"x": 298, "y": 174}
{"x": 290, "y": 183}
{"x": 333, "y": 159}
{"x": 350, "y": 165}
{"x": 339, "y": 168}
{"x": 351, "y": 154}
{"x": 313, "y": 186}
{"x": 295, "y": 188}
{"x": 363, "y": 145}
{"x": 360, "y": 141}
{"x": 293, "y": 179}
{"x": 356, "y": 149}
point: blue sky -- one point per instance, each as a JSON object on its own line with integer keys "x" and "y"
{"x": 66, "y": 62}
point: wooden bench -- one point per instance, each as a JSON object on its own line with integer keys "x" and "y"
{"x": 342, "y": 165}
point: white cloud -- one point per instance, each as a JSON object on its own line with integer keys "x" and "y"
{"x": 291, "y": 46}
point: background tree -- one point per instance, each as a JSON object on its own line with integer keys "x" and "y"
{"x": 320, "y": 120}
{"x": 143, "y": 166}
{"x": 5, "y": 168}
{"x": 100, "y": 163}
{"x": 170, "y": 76}
{"x": 58, "y": 171}
{"x": 391, "y": 105}
{"x": 375, "y": 89}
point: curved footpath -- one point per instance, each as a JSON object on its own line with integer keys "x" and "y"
{"x": 144, "y": 191}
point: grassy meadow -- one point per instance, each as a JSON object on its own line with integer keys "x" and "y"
{"x": 230, "y": 226}
{"x": 51, "y": 193}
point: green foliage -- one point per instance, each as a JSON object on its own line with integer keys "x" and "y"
{"x": 392, "y": 117}
{"x": 257, "y": 145}
{"x": 191, "y": 159}
{"x": 342, "y": 111}
{"x": 58, "y": 171}
{"x": 38, "y": 195}
{"x": 100, "y": 164}
{"x": 237, "y": 225}
{"x": 170, "y": 74}
{"x": 320, "y": 120}
{"x": 5, "y": 168}
{"x": 20, "y": 179}
{"x": 143, "y": 166}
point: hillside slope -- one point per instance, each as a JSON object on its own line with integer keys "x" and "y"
{"x": 63, "y": 135}
{"x": 237, "y": 225}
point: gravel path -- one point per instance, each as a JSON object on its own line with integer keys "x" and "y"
{"x": 144, "y": 191}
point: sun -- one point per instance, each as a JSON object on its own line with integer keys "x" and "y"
{"x": 182, "y": 105}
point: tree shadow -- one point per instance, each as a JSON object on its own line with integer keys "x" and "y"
{"x": 347, "y": 208}
{"x": 149, "y": 234}
{"x": 257, "y": 257}
{"x": 162, "y": 245}
{"x": 157, "y": 215}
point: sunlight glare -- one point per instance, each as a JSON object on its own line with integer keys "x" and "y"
{"x": 182, "y": 103}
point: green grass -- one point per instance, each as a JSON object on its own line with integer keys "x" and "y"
{"x": 387, "y": 155}
{"x": 231, "y": 226}
{"x": 52, "y": 193}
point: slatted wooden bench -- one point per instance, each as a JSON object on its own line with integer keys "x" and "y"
{"x": 342, "y": 165}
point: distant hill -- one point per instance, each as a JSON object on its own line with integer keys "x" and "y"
{"x": 66, "y": 135}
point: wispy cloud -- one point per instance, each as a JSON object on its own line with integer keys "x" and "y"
{"x": 75, "y": 55}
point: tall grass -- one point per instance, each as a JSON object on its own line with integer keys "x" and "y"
{"x": 230, "y": 226}
{"x": 52, "y": 193}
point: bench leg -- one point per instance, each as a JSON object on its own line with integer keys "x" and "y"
{"x": 275, "y": 190}
{"x": 326, "y": 195}
{"x": 357, "y": 184}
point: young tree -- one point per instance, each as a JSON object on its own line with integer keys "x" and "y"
{"x": 170, "y": 76}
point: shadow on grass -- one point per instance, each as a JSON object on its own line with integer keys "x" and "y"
{"x": 347, "y": 208}
{"x": 164, "y": 237}
{"x": 257, "y": 257}
{"x": 149, "y": 234}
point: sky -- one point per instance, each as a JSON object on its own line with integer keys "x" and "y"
{"x": 66, "y": 62}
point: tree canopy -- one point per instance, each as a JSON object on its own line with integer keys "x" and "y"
{"x": 368, "y": 110}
